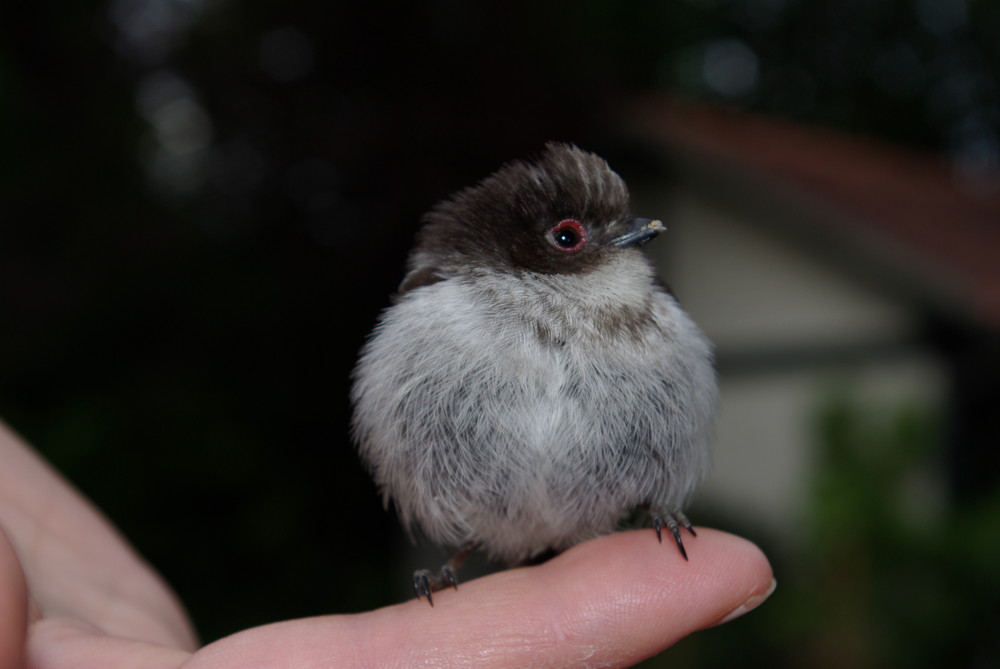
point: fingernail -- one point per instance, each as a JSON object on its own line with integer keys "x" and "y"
{"x": 752, "y": 602}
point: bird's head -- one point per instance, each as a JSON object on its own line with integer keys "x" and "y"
{"x": 564, "y": 212}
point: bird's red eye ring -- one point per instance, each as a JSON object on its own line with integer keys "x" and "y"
{"x": 568, "y": 235}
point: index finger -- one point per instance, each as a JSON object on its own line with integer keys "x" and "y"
{"x": 612, "y": 601}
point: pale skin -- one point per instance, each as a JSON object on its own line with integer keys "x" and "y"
{"x": 74, "y": 595}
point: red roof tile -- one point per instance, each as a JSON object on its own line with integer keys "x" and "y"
{"x": 916, "y": 199}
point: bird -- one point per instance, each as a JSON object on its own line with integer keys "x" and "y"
{"x": 533, "y": 383}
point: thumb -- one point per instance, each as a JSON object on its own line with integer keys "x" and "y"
{"x": 13, "y": 606}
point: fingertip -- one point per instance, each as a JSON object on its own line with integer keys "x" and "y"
{"x": 617, "y": 599}
{"x": 722, "y": 573}
{"x": 750, "y": 603}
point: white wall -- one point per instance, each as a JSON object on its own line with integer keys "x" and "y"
{"x": 756, "y": 295}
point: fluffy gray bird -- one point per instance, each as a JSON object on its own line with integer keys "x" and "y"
{"x": 533, "y": 383}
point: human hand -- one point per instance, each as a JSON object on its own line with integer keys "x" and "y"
{"x": 74, "y": 595}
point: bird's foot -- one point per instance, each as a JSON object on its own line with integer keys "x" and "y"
{"x": 673, "y": 521}
{"x": 426, "y": 582}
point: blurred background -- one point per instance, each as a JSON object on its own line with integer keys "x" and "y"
{"x": 204, "y": 205}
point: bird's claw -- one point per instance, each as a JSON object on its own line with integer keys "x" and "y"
{"x": 673, "y": 521}
{"x": 422, "y": 580}
{"x": 425, "y": 583}
{"x": 448, "y": 577}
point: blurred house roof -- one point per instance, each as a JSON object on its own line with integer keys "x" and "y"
{"x": 913, "y": 214}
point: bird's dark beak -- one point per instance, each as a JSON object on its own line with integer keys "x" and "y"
{"x": 640, "y": 231}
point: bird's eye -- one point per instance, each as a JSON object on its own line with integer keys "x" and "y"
{"x": 568, "y": 235}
